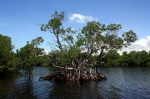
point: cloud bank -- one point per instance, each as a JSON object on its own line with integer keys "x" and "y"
{"x": 143, "y": 44}
{"x": 139, "y": 45}
{"x": 78, "y": 18}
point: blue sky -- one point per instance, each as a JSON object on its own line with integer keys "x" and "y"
{"x": 20, "y": 19}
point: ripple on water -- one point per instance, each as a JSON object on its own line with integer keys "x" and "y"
{"x": 124, "y": 83}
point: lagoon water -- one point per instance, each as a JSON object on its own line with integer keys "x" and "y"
{"x": 123, "y": 83}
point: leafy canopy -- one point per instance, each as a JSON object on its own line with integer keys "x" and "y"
{"x": 78, "y": 47}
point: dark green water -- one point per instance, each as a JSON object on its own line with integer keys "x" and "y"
{"x": 124, "y": 83}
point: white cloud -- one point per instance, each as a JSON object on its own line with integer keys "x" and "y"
{"x": 81, "y": 18}
{"x": 139, "y": 45}
{"x": 142, "y": 43}
{"x": 46, "y": 52}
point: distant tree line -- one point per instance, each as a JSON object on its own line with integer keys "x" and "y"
{"x": 131, "y": 59}
{"x": 114, "y": 59}
{"x": 31, "y": 55}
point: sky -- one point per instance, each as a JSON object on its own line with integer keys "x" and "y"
{"x": 21, "y": 19}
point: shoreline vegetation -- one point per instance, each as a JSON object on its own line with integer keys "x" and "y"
{"x": 76, "y": 55}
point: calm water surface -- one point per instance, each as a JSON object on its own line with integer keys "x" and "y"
{"x": 124, "y": 83}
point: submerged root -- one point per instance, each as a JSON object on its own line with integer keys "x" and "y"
{"x": 62, "y": 77}
{"x": 53, "y": 77}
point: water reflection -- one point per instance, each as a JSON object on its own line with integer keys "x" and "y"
{"x": 126, "y": 83}
{"x": 122, "y": 83}
{"x": 75, "y": 91}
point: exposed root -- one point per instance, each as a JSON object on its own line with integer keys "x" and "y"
{"x": 62, "y": 77}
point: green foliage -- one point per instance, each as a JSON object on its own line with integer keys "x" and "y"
{"x": 6, "y": 54}
{"x": 129, "y": 36}
{"x": 143, "y": 58}
{"x": 28, "y": 55}
{"x": 94, "y": 44}
{"x": 77, "y": 49}
{"x": 112, "y": 59}
{"x": 131, "y": 59}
